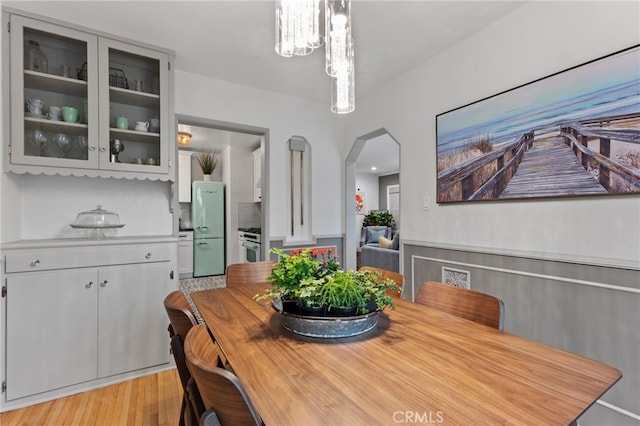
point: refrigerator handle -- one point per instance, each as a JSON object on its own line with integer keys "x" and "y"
{"x": 202, "y": 243}
{"x": 202, "y": 227}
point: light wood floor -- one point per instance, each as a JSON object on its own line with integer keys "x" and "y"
{"x": 150, "y": 400}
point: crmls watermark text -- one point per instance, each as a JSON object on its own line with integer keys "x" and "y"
{"x": 421, "y": 417}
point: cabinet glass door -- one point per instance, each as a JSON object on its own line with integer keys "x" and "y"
{"x": 54, "y": 87}
{"x": 135, "y": 84}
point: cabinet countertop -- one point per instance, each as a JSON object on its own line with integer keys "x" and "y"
{"x": 74, "y": 242}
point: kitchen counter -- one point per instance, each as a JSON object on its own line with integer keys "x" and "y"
{"x": 69, "y": 242}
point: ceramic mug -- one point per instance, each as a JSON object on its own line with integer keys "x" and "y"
{"x": 55, "y": 113}
{"x": 70, "y": 114}
{"x": 34, "y": 106}
{"x": 142, "y": 126}
{"x": 122, "y": 122}
{"x": 154, "y": 124}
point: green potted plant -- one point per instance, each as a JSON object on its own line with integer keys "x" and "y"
{"x": 297, "y": 278}
{"x": 379, "y": 218}
{"x": 343, "y": 294}
{"x": 207, "y": 161}
{"x": 308, "y": 281}
{"x": 376, "y": 291}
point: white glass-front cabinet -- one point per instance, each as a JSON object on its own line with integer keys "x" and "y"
{"x": 38, "y": 139}
{"x": 133, "y": 85}
{"x": 120, "y": 93}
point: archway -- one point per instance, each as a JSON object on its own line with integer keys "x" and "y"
{"x": 351, "y": 225}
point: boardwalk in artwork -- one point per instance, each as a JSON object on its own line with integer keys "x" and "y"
{"x": 550, "y": 168}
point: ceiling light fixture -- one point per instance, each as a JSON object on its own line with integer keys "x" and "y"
{"x": 184, "y": 138}
{"x": 298, "y": 33}
{"x": 297, "y": 27}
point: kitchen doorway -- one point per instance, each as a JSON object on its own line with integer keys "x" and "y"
{"x": 377, "y": 149}
{"x": 237, "y": 149}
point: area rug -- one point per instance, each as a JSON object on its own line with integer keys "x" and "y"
{"x": 190, "y": 285}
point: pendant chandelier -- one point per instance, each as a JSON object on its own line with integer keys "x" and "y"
{"x": 299, "y": 32}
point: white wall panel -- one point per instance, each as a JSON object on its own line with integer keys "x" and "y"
{"x": 534, "y": 41}
{"x": 208, "y": 98}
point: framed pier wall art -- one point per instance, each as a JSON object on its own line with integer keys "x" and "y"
{"x": 573, "y": 133}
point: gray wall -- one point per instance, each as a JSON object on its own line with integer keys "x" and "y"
{"x": 590, "y": 310}
{"x": 383, "y": 182}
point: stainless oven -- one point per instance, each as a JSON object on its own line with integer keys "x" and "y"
{"x": 248, "y": 246}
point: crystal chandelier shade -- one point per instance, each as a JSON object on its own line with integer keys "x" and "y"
{"x": 299, "y": 31}
{"x": 343, "y": 92}
{"x": 339, "y": 49}
{"x": 298, "y": 27}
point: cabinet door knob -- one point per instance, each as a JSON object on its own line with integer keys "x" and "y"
{"x": 103, "y": 149}
{"x": 35, "y": 262}
{"x": 104, "y": 283}
{"x": 92, "y": 148}
{"x": 147, "y": 256}
{"x": 89, "y": 284}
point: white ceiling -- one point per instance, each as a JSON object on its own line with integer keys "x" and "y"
{"x": 381, "y": 152}
{"x": 233, "y": 40}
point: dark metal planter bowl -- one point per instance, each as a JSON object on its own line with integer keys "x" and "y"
{"x": 326, "y": 327}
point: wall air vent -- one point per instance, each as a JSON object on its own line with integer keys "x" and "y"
{"x": 456, "y": 277}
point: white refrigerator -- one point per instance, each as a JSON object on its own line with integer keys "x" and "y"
{"x": 207, "y": 218}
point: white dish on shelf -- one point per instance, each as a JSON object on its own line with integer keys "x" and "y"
{"x": 34, "y": 115}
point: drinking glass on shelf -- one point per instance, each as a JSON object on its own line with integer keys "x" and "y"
{"x": 38, "y": 140}
{"x": 63, "y": 142}
{"x": 81, "y": 146}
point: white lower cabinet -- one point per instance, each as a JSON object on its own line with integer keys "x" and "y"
{"x": 132, "y": 332}
{"x": 51, "y": 330}
{"x": 69, "y": 326}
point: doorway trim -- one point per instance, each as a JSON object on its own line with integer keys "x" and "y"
{"x": 350, "y": 240}
{"x": 264, "y": 144}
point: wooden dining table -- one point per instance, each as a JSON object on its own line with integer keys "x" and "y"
{"x": 419, "y": 365}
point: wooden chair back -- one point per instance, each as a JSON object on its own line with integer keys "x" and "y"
{"x": 221, "y": 390}
{"x": 249, "y": 272}
{"x": 472, "y": 305}
{"x": 181, "y": 320}
{"x": 394, "y": 276}
{"x": 180, "y": 314}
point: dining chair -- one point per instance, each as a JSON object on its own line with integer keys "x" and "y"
{"x": 249, "y": 272}
{"x": 181, "y": 320}
{"x": 469, "y": 304}
{"x": 394, "y": 276}
{"x": 223, "y": 395}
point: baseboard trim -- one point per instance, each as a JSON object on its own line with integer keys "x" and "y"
{"x": 83, "y": 387}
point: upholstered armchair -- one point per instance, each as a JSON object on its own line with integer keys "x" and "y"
{"x": 370, "y": 234}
